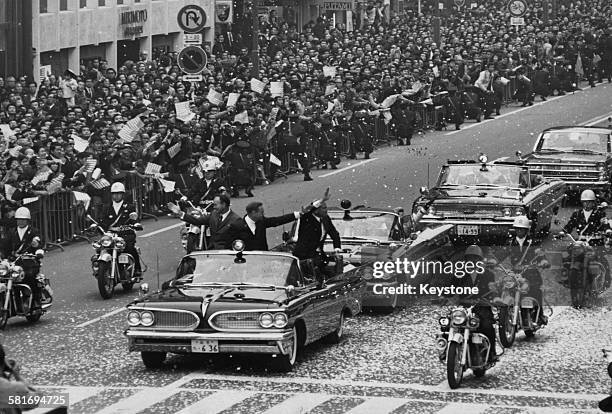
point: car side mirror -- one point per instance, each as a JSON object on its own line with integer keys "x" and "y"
{"x": 286, "y": 236}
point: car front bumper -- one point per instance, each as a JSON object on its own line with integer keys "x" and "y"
{"x": 228, "y": 342}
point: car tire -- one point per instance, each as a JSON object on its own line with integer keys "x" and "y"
{"x": 153, "y": 360}
{"x": 336, "y": 336}
{"x": 286, "y": 363}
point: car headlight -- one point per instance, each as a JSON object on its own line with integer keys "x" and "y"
{"x": 444, "y": 321}
{"x": 519, "y": 211}
{"x": 106, "y": 241}
{"x": 147, "y": 318}
{"x": 509, "y": 282}
{"x": 431, "y": 211}
{"x": 459, "y": 317}
{"x": 266, "y": 320}
{"x": 507, "y": 212}
{"x": 524, "y": 288}
{"x": 280, "y": 320}
{"x": 133, "y": 318}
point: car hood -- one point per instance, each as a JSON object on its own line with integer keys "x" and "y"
{"x": 536, "y": 158}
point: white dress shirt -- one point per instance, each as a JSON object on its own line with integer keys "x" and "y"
{"x": 587, "y": 214}
{"x": 249, "y": 221}
{"x": 117, "y": 206}
{"x": 21, "y": 231}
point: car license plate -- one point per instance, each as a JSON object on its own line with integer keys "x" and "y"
{"x": 476, "y": 339}
{"x": 123, "y": 259}
{"x": 467, "y": 230}
{"x": 204, "y": 346}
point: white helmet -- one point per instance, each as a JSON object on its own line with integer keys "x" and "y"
{"x": 23, "y": 213}
{"x": 521, "y": 222}
{"x": 117, "y": 188}
{"x": 587, "y": 195}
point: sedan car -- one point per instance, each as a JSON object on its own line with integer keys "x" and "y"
{"x": 482, "y": 199}
{"x": 226, "y": 302}
{"x": 580, "y": 156}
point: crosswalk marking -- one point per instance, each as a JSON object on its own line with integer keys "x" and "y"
{"x": 463, "y": 408}
{"x": 379, "y": 405}
{"x": 139, "y": 401}
{"x": 299, "y": 403}
{"x": 81, "y": 393}
{"x": 216, "y": 402}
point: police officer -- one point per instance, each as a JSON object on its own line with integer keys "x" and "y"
{"x": 587, "y": 220}
{"x": 26, "y": 239}
{"x": 120, "y": 213}
{"x": 362, "y": 132}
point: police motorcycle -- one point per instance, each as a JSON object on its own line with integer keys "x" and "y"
{"x": 110, "y": 264}
{"x": 585, "y": 272}
{"x": 194, "y": 237}
{"x": 517, "y": 311}
{"x": 16, "y": 297}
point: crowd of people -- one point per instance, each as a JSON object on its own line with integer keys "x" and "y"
{"x": 67, "y": 132}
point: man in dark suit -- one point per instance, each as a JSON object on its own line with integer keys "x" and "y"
{"x": 252, "y": 229}
{"x": 26, "y": 239}
{"x": 222, "y": 222}
{"x": 120, "y": 213}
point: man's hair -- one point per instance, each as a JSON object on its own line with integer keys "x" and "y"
{"x": 253, "y": 206}
{"x": 224, "y": 199}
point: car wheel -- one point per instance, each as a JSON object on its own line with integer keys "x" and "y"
{"x": 286, "y": 362}
{"x": 153, "y": 360}
{"x": 336, "y": 336}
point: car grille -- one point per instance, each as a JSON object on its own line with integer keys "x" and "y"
{"x": 175, "y": 320}
{"x": 566, "y": 172}
{"x": 467, "y": 212}
{"x": 237, "y": 320}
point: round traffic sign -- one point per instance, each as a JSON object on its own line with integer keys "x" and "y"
{"x": 191, "y": 18}
{"x": 459, "y": 3}
{"x": 192, "y": 60}
{"x": 517, "y": 8}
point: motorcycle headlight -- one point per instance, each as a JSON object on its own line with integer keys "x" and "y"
{"x": 459, "y": 317}
{"x": 524, "y": 288}
{"x": 133, "y": 318}
{"x": 4, "y": 270}
{"x": 120, "y": 244}
{"x": 444, "y": 321}
{"x": 507, "y": 212}
{"x": 266, "y": 320}
{"x": 17, "y": 273}
{"x": 280, "y": 320}
{"x": 509, "y": 282}
{"x": 106, "y": 241}
{"x": 147, "y": 318}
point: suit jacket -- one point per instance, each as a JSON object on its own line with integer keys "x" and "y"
{"x": 310, "y": 235}
{"x": 482, "y": 283}
{"x": 222, "y": 232}
{"x": 112, "y": 219}
{"x": 578, "y": 222}
{"x": 259, "y": 240}
{"x": 17, "y": 246}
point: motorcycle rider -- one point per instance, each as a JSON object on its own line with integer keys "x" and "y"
{"x": 27, "y": 239}
{"x": 588, "y": 220}
{"x": 485, "y": 282}
{"x": 521, "y": 250}
{"x": 120, "y": 213}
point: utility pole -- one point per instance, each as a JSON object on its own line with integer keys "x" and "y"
{"x": 255, "y": 45}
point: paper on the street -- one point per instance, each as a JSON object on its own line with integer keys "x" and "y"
{"x": 9, "y": 190}
{"x": 83, "y": 198}
{"x": 175, "y": 149}
{"x": 152, "y": 168}
{"x": 232, "y": 99}
{"x": 214, "y": 97}
{"x": 242, "y": 117}
{"x": 167, "y": 185}
{"x": 274, "y": 160}
{"x": 29, "y": 200}
{"x": 257, "y": 85}
{"x": 80, "y": 144}
{"x": 277, "y": 89}
{"x": 329, "y": 71}
{"x": 183, "y": 111}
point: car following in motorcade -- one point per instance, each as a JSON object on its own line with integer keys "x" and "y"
{"x": 230, "y": 302}
{"x": 581, "y": 156}
{"x": 482, "y": 199}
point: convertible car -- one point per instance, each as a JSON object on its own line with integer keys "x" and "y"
{"x": 483, "y": 198}
{"x": 242, "y": 302}
{"x": 580, "y": 156}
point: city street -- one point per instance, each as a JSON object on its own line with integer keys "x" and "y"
{"x": 385, "y": 363}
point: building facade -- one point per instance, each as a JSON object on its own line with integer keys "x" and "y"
{"x": 68, "y": 33}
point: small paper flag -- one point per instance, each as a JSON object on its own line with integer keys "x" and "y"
{"x": 274, "y": 160}
{"x": 152, "y": 169}
{"x": 257, "y": 85}
{"x": 82, "y": 197}
{"x": 175, "y": 149}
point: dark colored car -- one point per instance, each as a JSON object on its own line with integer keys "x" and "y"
{"x": 580, "y": 156}
{"x": 242, "y": 302}
{"x": 482, "y": 199}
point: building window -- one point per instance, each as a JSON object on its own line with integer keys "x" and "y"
{"x": 119, "y": 2}
{"x": 101, "y": 3}
{"x": 63, "y": 5}
{"x": 43, "y": 6}
{"x": 82, "y": 4}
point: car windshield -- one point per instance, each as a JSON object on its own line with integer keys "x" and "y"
{"x": 378, "y": 226}
{"x": 574, "y": 141}
{"x": 269, "y": 270}
{"x": 473, "y": 175}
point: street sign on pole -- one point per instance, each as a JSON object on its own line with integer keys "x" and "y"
{"x": 191, "y": 18}
{"x": 192, "y": 60}
{"x": 459, "y": 3}
{"x": 192, "y": 39}
{"x": 192, "y": 78}
{"x": 517, "y": 8}
{"x": 517, "y": 21}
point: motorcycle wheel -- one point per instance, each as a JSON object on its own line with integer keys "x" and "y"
{"x": 454, "y": 368}
{"x": 106, "y": 286}
{"x": 506, "y": 330}
{"x": 4, "y": 314}
{"x": 127, "y": 286}
{"x": 479, "y": 372}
